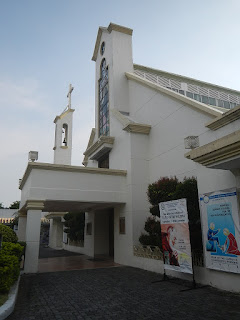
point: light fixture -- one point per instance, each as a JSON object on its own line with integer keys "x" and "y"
{"x": 32, "y": 156}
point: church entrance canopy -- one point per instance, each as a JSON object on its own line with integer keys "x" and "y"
{"x": 57, "y": 189}
{"x": 71, "y": 188}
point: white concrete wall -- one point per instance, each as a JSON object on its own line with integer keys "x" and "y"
{"x": 74, "y": 186}
{"x": 203, "y": 276}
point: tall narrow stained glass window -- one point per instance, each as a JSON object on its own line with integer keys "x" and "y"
{"x": 103, "y": 100}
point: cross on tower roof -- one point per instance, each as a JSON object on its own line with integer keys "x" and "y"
{"x": 69, "y": 96}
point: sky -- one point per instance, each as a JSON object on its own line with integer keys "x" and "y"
{"x": 47, "y": 44}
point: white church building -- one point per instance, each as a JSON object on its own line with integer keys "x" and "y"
{"x": 144, "y": 120}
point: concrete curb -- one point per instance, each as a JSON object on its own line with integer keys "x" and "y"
{"x": 7, "y": 308}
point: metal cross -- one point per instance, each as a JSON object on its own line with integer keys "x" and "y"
{"x": 69, "y": 96}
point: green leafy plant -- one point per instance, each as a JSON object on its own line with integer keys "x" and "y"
{"x": 14, "y": 205}
{"x": 8, "y": 234}
{"x": 12, "y": 249}
{"x": 9, "y": 271}
{"x": 153, "y": 238}
{"x": 166, "y": 189}
{"x": 74, "y": 225}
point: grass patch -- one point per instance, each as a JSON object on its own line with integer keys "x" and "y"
{"x": 3, "y": 298}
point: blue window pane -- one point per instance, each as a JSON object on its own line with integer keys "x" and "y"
{"x": 220, "y": 103}
{"x": 205, "y": 100}
{"x": 226, "y": 104}
{"x": 197, "y": 97}
{"x": 103, "y": 100}
{"x": 212, "y": 101}
{"x": 190, "y": 94}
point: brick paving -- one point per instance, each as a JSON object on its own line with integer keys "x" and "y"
{"x": 118, "y": 293}
{"x": 46, "y": 252}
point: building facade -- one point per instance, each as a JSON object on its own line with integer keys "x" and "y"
{"x": 142, "y": 117}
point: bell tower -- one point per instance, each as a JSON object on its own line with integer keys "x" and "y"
{"x": 63, "y": 134}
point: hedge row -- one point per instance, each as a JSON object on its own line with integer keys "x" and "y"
{"x": 8, "y": 234}
{"x": 10, "y": 255}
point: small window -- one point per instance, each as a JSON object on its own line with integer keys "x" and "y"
{"x": 197, "y": 97}
{"x": 182, "y": 92}
{"x": 226, "y": 104}
{"x": 220, "y": 103}
{"x": 212, "y": 101}
{"x": 64, "y": 134}
{"x": 189, "y": 94}
{"x": 205, "y": 100}
{"x": 232, "y": 105}
{"x": 102, "y": 48}
{"x": 122, "y": 225}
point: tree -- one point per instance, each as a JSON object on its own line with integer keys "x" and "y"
{"x": 166, "y": 189}
{"x": 1, "y": 205}
{"x": 74, "y": 225}
{"x": 15, "y": 205}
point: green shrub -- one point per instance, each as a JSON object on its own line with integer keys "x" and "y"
{"x": 12, "y": 249}
{"x": 9, "y": 271}
{"x": 8, "y": 234}
{"x": 153, "y": 228}
{"x": 23, "y": 244}
{"x": 166, "y": 189}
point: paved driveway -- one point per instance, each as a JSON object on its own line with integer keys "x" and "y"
{"x": 118, "y": 293}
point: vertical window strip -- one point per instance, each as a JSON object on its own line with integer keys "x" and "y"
{"x": 103, "y": 100}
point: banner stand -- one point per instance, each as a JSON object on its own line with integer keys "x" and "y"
{"x": 194, "y": 284}
{"x": 165, "y": 278}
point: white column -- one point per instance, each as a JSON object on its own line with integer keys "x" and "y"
{"x": 59, "y": 234}
{"x": 56, "y": 233}
{"x": 51, "y": 234}
{"x": 32, "y": 239}
{"x": 21, "y": 233}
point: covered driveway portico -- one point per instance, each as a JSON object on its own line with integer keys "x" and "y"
{"x": 61, "y": 188}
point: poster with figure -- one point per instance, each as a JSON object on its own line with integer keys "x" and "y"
{"x": 220, "y": 219}
{"x": 175, "y": 236}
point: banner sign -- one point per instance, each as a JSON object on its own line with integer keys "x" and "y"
{"x": 175, "y": 236}
{"x": 221, "y": 235}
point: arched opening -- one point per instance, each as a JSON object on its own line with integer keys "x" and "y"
{"x": 64, "y": 134}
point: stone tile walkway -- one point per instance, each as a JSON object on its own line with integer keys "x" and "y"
{"x": 118, "y": 293}
{"x": 51, "y": 260}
